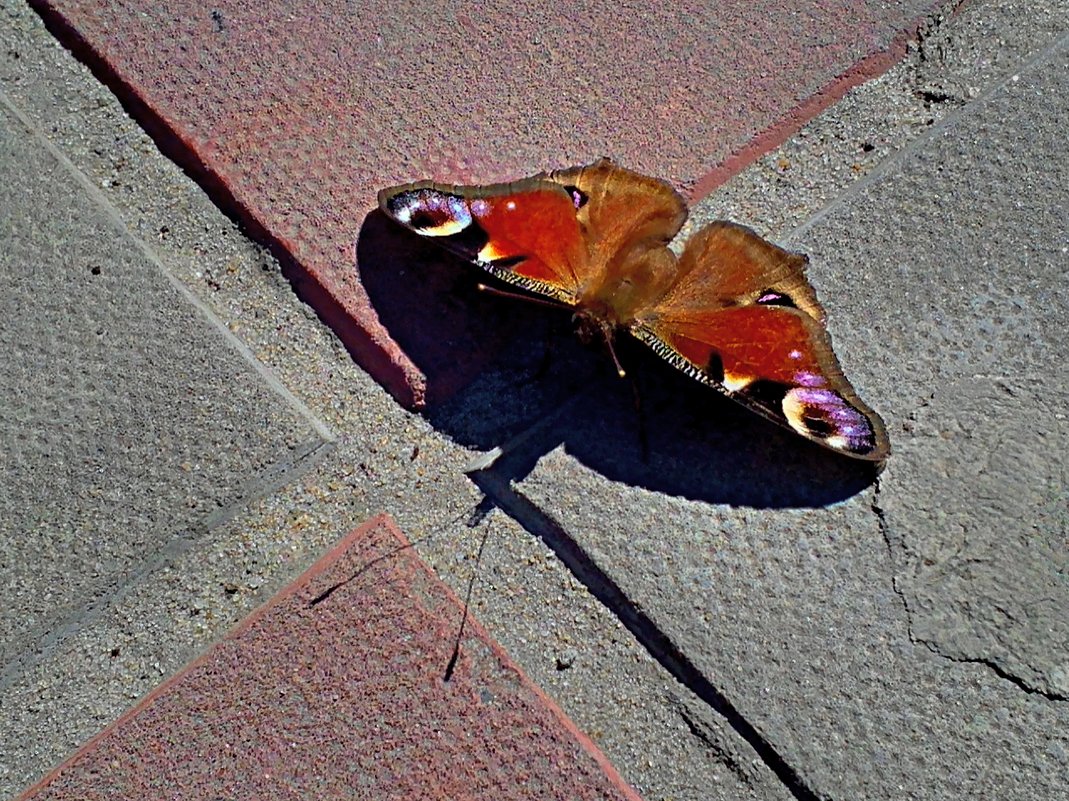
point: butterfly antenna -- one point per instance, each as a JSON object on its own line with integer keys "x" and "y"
{"x": 474, "y": 518}
{"x": 504, "y": 293}
{"x": 477, "y": 517}
{"x": 612, "y": 352}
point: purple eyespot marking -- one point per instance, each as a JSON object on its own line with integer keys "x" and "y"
{"x": 579, "y": 198}
{"x": 809, "y": 396}
{"x": 806, "y": 379}
{"x": 826, "y": 415}
{"x": 771, "y": 297}
{"x": 431, "y": 212}
{"x": 479, "y": 207}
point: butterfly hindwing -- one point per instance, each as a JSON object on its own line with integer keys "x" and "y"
{"x": 525, "y": 232}
{"x": 743, "y": 318}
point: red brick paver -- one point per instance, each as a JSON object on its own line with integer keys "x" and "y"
{"x": 344, "y": 698}
{"x": 293, "y": 114}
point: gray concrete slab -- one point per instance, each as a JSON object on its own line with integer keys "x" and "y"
{"x": 907, "y": 641}
{"x": 976, "y": 507}
{"x": 128, "y": 418}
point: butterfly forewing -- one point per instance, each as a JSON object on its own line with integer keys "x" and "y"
{"x": 524, "y": 232}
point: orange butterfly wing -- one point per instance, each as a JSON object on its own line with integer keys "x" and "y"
{"x": 524, "y": 232}
{"x": 741, "y": 317}
{"x": 556, "y": 233}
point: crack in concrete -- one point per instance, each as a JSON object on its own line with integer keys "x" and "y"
{"x": 884, "y": 527}
{"x": 885, "y": 531}
{"x": 999, "y": 671}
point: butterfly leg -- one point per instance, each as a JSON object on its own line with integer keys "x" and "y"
{"x": 643, "y": 437}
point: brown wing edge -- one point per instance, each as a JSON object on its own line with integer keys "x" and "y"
{"x": 740, "y": 266}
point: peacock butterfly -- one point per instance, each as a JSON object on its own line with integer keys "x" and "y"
{"x": 733, "y": 311}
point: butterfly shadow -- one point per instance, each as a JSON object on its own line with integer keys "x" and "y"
{"x": 682, "y": 439}
{"x": 502, "y": 373}
{"x": 430, "y": 303}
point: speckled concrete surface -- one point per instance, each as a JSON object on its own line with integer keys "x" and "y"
{"x": 293, "y": 117}
{"x": 112, "y": 463}
{"x": 976, "y": 508}
{"x": 667, "y": 741}
{"x": 356, "y": 703}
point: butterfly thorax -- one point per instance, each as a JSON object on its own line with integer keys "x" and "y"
{"x": 595, "y": 323}
{"x": 621, "y": 290}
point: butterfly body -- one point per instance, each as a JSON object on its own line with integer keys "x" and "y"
{"x": 733, "y": 311}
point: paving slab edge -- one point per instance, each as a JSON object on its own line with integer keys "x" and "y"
{"x": 919, "y": 143}
{"x": 298, "y": 584}
{"x": 362, "y": 335}
{"x": 359, "y": 329}
{"x": 872, "y": 65}
{"x": 107, "y": 208}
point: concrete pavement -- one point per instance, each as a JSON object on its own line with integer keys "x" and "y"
{"x": 713, "y": 625}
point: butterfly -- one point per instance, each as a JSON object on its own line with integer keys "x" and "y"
{"x": 734, "y": 311}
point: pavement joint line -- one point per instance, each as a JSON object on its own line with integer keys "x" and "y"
{"x": 112, "y": 215}
{"x": 273, "y": 478}
{"x": 889, "y": 528}
{"x": 916, "y": 144}
{"x": 648, "y": 635}
{"x": 305, "y": 285}
{"x": 276, "y": 475}
{"x": 701, "y": 730}
{"x": 872, "y": 65}
{"x": 45, "y": 642}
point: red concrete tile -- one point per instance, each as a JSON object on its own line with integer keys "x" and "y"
{"x": 294, "y": 114}
{"x": 344, "y": 698}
